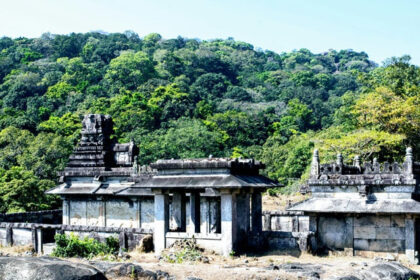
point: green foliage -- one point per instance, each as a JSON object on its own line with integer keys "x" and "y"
{"x": 22, "y": 191}
{"x": 287, "y": 162}
{"x": 129, "y": 70}
{"x": 365, "y": 143}
{"x": 183, "y": 251}
{"x": 191, "y": 98}
{"x": 72, "y": 246}
{"x": 66, "y": 125}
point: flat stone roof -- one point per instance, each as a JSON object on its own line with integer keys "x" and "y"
{"x": 202, "y": 181}
{"x": 342, "y": 205}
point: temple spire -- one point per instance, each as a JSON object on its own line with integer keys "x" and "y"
{"x": 315, "y": 164}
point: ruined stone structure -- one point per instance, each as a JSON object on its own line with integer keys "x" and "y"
{"x": 370, "y": 209}
{"x": 216, "y": 201}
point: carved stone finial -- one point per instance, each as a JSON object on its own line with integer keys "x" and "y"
{"x": 315, "y": 164}
{"x": 135, "y": 166}
{"x": 408, "y": 163}
{"x": 375, "y": 161}
{"x": 357, "y": 161}
{"x": 409, "y": 153}
{"x": 96, "y": 130}
{"x": 339, "y": 159}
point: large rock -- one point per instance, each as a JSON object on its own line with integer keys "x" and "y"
{"x": 130, "y": 270}
{"x": 384, "y": 271}
{"x": 29, "y": 268}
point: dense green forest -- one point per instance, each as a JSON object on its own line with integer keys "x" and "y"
{"x": 181, "y": 98}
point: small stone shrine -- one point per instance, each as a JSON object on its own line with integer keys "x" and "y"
{"x": 368, "y": 210}
{"x": 216, "y": 201}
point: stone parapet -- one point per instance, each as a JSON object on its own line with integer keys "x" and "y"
{"x": 46, "y": 216}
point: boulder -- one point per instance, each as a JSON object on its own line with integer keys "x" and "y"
{"x": 146, "y": 244}
{"x": 46, "y": 268}
{"x": 131, "y": 271}
{"x": 386, "y": 270}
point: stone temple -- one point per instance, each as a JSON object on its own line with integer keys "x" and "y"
{"x": 217, "y": 201}
{"x": 368, "y": 210}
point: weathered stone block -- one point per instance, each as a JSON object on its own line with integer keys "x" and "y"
{"x": 335, "y": 233}
{"x": 365, "y": 232}
{"x": 3, "y": 237}
{"x": 22, "y": 236}
{"x": 303, "y": 223}
{"x": 147, "y": 209}
{"x": 397, "y": 221}
{"x": 94, "y": 213}
{"x": 379, "y": 245}
{"x": 377, "y": 221}
{"x": 390, "y": 233}
{"x": 282, "y": 243}
{"x": 77, "y": 212}
{"x": 121, "y": 213}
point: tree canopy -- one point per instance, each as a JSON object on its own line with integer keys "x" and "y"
{"x": 182, "y": 97}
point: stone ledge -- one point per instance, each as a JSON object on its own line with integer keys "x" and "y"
{"x": 74, "y": 228}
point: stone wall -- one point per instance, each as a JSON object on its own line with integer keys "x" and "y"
{"x": 18, "y": 234}
{"x": 379, "y": 234}
{"x": 364, "y": 234}
{"x": 112, "y": 213}
{"x": 44, "y": 217}
{"x": 285, "y": 221}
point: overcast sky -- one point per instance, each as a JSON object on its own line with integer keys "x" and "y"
{"x": 382, "y": 28}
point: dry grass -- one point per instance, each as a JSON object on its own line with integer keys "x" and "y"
{"x": 281, "y": 201}
{"x": 16, "y": 250}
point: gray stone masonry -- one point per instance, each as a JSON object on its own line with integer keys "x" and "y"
{"x": 364, "y": 209}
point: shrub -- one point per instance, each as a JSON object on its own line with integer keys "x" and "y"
{"x": 73, "y": 246}
{"x": 183, "y": 250}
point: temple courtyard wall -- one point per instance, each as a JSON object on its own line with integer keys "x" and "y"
{"x": 360, "y": 235}
{"x": 282, "y": 234}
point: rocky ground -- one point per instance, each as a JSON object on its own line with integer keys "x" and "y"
{"x": 21, "y": 266}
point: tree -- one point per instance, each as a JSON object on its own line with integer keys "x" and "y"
{"x": 22, "y": 191}
{"x": 209, "y": 86}
{"x": 184, "y": 138}
{"x": 364, "y": 143}
{"x": 129, "y": 70}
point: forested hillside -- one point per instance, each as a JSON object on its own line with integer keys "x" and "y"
{"x": 181, "y": 98}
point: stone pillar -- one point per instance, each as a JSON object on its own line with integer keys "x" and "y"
{"x": 349, "y": 238}
{"x": 122, "y": 240}
{"x": 9, "y": 235}
{"x": 410, "y": 240}
{"x": 34, "y": 238}
{"x": 178, "y": 211}
{"x": 267, "y": 222}
{"x": 229, "y": 223}
{"x": 161, "y": 222}
{"x": 66, "y": 211}
{"x": 243, "y": 212}
{"x": 40, "y": 244}
{"x": 256, "y": 211}
{"x": 313, "y": 223}
{"x": 214, "y": 216}
{"x": 194, "y": 224}
{"x": 139, "y": 213}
